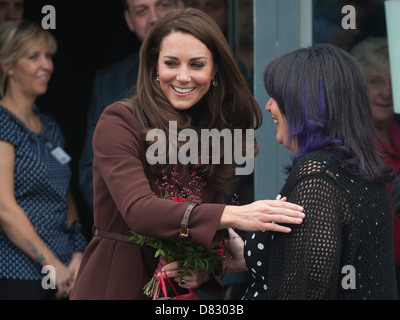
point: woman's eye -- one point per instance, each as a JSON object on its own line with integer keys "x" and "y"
{"x": 170, "y": 63}
{"x": 198, "y": 65}
{"x": 376, "y": 81}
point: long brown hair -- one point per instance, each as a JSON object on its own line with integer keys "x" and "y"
{"x": 229, "y": 105}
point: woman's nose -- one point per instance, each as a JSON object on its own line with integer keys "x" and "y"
{"x": 183, "y": 75}
{"x": 268, "y": 106}
{"x": 46, "y": 63}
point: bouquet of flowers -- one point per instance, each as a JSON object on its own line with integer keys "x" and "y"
{"x": 191, "y": 255}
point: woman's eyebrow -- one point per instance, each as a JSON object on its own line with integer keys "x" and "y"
{"x": 191, "y": 59}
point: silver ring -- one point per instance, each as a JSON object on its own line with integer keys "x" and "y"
{"x": 183, "y": 281}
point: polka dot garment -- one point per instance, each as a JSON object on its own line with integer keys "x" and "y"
{"x": 40, "y": 187}
{"x": 256, "y": 252}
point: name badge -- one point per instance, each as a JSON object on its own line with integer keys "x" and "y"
{"x": 61, "y": 156}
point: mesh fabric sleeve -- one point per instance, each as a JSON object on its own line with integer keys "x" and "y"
{"x": 305, "y": 263}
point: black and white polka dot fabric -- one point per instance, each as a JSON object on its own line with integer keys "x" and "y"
{"x": 40, "y": 187}
{"x": 256, "y": 252}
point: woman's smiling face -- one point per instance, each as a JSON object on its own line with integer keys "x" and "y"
{"x": 185, "y": 69}
{"x": 282, "y": 127}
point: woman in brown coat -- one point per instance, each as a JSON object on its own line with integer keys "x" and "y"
{"x": 187, "y": 78}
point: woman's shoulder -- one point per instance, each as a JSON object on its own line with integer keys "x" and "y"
{"x": 315, "y": 162}
{"x": 118, "y": 114}
{"x": 9, "y": 125}
{"x": 123, "y": 108}
{"x": 117, "y": 122}
{"x": 6, "y": 115}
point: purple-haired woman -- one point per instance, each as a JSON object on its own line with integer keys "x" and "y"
{"x": 344, "y": 247}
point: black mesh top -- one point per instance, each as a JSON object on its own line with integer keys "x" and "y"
{"x": 342, "y": 250}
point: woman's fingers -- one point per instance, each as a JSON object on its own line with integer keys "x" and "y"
{"x": 280, "y": 218}
{"x": 184, "y": 280}
{"x": 173, "y": 271}
{"x": 282, "y": 207}
{"x": 267, "y": 215}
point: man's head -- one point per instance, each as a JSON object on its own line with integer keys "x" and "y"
{"x": 218, "y": 10}
{"x": 140, "y": 15}
{"x": 11, "y": 10}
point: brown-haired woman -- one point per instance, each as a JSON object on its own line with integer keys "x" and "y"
{"x": 187, "y": 75}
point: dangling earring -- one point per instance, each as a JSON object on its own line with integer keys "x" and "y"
{"x": 158, "y": 78}
{"x": 214, "y": 82}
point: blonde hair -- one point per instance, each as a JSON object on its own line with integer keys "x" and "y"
{"x": 372, "y": 52}
{"x": 16, "y": 38}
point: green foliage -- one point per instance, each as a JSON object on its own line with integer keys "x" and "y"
{"x": 190, "y": 254}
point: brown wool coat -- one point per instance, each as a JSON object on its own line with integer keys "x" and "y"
{"x": 125, "y": 198}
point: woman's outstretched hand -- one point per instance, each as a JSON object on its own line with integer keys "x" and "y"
{"x": 262, "y": 215}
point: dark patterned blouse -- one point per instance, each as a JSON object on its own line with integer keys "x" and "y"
{"x": 41, "y": 183}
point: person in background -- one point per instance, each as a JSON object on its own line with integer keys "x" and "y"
{"x": 187, "y": 75}
{"x": 38, "y": 217}
{"x": 373, "y": 56}
{"x": 117, "y": 81}
{"x": 217, "y": 9}
{"x": 11, "y": 10}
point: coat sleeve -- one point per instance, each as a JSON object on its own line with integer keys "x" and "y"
{"x": 120, "y": 159}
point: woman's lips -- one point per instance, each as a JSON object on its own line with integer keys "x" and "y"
{"x": 182, "y": 90}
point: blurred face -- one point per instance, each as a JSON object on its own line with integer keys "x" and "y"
{"x": 185, "y": 68}
{"x": 31, "y": 73}
{"x": 380, "y": 96}
{"x": 11, "y": 10}
{"x": 143, "y": 14}
{"x": 216, "y": 9}
{"x": 281, "y": 127}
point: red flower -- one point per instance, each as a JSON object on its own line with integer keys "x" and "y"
{"x": 221, "y": 250}
{"x": 179, "y": 199}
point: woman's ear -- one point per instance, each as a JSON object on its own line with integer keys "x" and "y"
{"x": 215, "y": 70}
{"x": 8, "y": 71}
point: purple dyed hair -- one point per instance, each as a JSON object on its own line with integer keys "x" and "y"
{"x": 321, "y": 92}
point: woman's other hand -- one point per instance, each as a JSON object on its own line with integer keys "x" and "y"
{"x": 192, "y": 281}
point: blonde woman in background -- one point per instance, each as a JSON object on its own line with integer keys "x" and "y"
{"x": 373, "y": 56}
{"x": 38, "y": 216}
